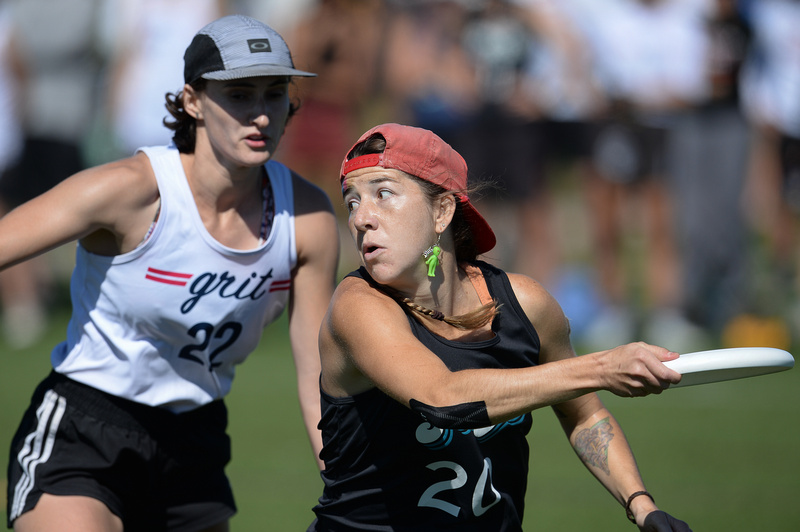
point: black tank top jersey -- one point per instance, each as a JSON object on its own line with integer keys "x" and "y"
{"x": 389, "y": 469}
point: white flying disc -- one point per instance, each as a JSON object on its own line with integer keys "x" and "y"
{"x": 717, "y": 365}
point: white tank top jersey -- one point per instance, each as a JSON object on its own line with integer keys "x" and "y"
{"x": 167, "y": 323}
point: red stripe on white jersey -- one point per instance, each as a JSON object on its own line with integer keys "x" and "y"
{"x": 281, "y": 285}
{"x": 163, "y": 276}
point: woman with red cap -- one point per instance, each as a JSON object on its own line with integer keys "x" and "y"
{"x": 428, "y": 383}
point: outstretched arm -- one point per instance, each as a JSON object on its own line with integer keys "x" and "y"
{"x": 87, "y": 206}
{"x": 368, "y": 342}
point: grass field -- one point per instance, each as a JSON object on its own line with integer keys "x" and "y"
{"x": 723, "y": 457}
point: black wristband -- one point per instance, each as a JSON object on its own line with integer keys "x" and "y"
{"x": 630, "y": 500}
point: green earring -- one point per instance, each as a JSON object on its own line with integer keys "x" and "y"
{"x": 432, "y": 257}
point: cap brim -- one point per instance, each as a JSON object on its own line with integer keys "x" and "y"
{"x": 481, "y": 230}
{"x": 255, "y": 71}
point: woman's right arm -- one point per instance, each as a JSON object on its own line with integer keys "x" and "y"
{"x": 108, "y": 206}
{"x": 366, "y": 341}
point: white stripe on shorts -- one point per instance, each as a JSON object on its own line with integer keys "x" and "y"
{"x": 38, "y": 447}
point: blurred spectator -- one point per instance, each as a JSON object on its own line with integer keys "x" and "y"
{"x": 502, "y": 139}
{"x": 560, "y": 84}
{"x": 771, "y": 98}
{"x": 708, "y": 161}
{"x": 146, "y": 40}
{"x": 10, "y": 147}
{"x": 561, "y": 74}
{"x": 282, "y": 15}
{"x": 340, "y": 41}
{"x": 10, "y": 130}
{"x": 423, "y": 75}
{"x": 642, "y": 53}
{"x": 426, "y": 74}
{"x": 55, "y": 60}
{"x": 459, "y": 69}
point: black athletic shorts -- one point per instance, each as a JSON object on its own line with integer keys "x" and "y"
{"x": 156, "y": 470}
{"x": 790, "y": 164}
{"x": 627, "y": 152}
{"x": 43, "y": 164}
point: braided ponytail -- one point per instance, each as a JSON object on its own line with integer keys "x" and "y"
{"x": 474, "y": 319}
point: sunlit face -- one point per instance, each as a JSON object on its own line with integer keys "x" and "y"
{"x": 242, "y": 120}
{"x": 392, "y": 223}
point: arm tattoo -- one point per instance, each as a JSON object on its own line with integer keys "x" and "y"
{"x": 592, "y": 444}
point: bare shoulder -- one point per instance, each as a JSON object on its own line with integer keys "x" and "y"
{"x": 133, "y": 176}
{"x": 354, "y": 336}
{"x": 359, "y": 308}
{"x": 546, "y": 315}
{"x": 354, "y": 294}
{"x": 122, "y": 198}
{"x": 137, "y": 173}
{"x": 532, "y": 296}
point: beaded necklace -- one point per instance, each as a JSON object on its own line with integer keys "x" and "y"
{"x": 268, "y": 209}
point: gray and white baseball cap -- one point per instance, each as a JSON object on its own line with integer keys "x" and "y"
{"x": 236, "y": 47}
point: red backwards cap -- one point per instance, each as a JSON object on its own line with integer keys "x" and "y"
{"x": 423, "y": 154}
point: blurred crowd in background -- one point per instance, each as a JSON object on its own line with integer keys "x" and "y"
{"x": 640, "y": 158}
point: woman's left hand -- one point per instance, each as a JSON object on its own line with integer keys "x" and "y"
{"x": 659, "y": 521}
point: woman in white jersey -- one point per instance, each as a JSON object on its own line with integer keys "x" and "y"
{"x": 185, "y": 252}
{"x": 432, "y": 361}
